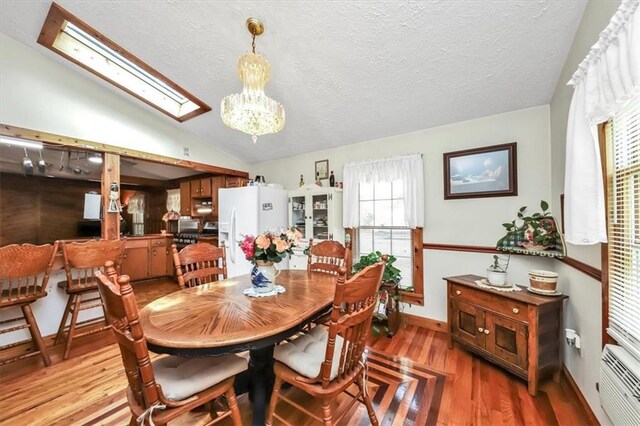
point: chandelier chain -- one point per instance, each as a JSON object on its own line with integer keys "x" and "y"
{"x": 253, "y": 43}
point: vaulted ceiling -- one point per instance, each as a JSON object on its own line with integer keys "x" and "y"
{"x": 346, "y": 71}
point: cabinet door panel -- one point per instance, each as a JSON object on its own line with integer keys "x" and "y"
{"x": 507, "y": 339}
{"x": 468, "y": 322}
{"x": 185, "y": 198}
{"x": 157, "y": 261}
{"x": 135, "y": 263}
{"x": 205, "y": 187}
{"x": 216, "y": 183}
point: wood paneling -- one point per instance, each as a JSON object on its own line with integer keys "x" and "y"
{"x": 40, "y": 210}
{"x": 110, "y": 174}
{"x": 589, "y": 270}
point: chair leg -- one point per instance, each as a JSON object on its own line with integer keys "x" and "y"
{"x": 326, "y": 413}
{"x": 133, "y": 421}
{"x": 35, "y": 333}
{"x": 63, "y": 321}
{"x": 274, "y": 401}
{"x": 367, "y": 401}
{"x": 72, "y": 325}
{"x": 233, "y": 407}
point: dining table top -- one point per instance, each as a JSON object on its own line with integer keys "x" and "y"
{"x": 220, "y": 318}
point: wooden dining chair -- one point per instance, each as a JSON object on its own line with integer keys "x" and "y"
{"x": 162, "y": 390}
{"x": 24, "y": 275}
{"x": 326, "y": 361}
{"x": 199, "y": 263}
{"x": 81, "y": 259}
{"x": 329, "y": 257}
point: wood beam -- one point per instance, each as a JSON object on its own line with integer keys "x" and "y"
{"x": 110, "y": 173}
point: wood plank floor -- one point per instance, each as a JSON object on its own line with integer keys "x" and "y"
{"x": 413, "y": 378}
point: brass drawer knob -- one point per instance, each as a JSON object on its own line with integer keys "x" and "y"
{"x": 486, "y": 331}
{"x": 480, "y": 329}
{"x": 458, "y": 292}
{"x": 516, "y": 310}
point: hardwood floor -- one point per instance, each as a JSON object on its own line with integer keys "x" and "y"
{"x": 413, "y": 379}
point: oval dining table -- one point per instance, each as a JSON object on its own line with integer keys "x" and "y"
{"x": 217, "y": 318}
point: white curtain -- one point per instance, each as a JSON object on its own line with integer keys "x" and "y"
{"x": 605, "y": 80}
{"x": 407, "y": 168}
{"x": 173, "y": 200}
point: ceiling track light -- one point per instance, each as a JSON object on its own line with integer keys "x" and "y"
{"x": 11, "y": 141}
{"x": 27, "y": 164}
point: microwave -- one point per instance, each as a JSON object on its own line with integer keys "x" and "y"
{"x": 188, "y": 225}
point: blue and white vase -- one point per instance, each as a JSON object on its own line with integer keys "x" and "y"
{"x": 263, "y": 276}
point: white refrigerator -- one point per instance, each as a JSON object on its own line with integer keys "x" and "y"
{"x": 249, "y": 210}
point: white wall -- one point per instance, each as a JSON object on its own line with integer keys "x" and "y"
{"x": 469, "y": 222}
{"x": 38, "y": 93}
{"x": 583, "y": 311}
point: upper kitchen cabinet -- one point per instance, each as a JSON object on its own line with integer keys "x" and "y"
{"x": 317, "y": 212}
{"x": 201, "y": 188}
{"x": 185, "y": 198}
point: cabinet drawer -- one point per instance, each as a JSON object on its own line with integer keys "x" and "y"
{"x": 136, "y": 244}
{"x": 159, "y": 242}
{"x": 492, "y": 302}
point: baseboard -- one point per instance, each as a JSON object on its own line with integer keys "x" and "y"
{"x": 570, "y": 386}
{"x": 423, "y": 322}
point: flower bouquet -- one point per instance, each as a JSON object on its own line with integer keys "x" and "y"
{"x": 266, "y": 249}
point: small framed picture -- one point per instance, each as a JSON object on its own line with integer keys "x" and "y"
{"x": 489, "y": 171}
{"x": 322, "y": 169}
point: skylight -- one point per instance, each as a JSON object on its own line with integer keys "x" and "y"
{"x": 73, "y": 39}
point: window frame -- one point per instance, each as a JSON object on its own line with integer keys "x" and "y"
{"x": 607, "y": 174}
{"x": 54, "y": 25}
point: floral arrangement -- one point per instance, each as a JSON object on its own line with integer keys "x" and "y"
{"x": 270, "y": 246}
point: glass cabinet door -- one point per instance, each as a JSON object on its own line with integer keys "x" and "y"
{"x": 320, "y": 217}
{"x": 298, "y": 213}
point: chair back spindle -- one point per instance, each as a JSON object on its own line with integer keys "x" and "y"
{"x": 199, "y": 263}
{"x": 353, "y": 306}
{"x": 20, "y": 267}
{"x": 328, "y": 257}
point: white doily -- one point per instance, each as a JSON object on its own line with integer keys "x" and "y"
{"x": 483, "y": 283}
{"x": 251, "y": 292}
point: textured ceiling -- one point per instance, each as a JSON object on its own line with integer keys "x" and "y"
{"x": 346, "y": 71}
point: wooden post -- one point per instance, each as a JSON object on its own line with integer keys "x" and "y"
{"x": 110, "y": 173}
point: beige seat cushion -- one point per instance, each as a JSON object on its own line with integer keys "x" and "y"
{"x": 182, "y": 377}
{"x": 306, "y": 353}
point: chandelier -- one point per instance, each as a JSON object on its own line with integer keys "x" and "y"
{"x": 252, "y": 111}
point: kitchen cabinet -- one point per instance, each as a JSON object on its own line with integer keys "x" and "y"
{"x": 317, "y": 213}
{"x": 185, "y": 198}
{"x": 518, "y": 331}
{"x": 201, "y": 188}
{"x": 146, "y": 258}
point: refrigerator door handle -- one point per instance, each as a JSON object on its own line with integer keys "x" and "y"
{"x": 232, "y": 235}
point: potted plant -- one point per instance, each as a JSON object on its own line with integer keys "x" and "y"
{"x": 497, "y": 271}
{"x": 538, "y": 231}
{"x": 386, "y": 311}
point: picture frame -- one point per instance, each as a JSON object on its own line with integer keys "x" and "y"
{"x": 322, "y": 169}
{"x": 489, "y": 171}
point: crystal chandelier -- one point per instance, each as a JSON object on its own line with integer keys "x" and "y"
{"x": 252, "y": 111}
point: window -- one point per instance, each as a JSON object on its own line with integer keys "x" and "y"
{"x": 622, "y": 135}
{"x": 381, "y": 214}
{"x": 73, "y": 39}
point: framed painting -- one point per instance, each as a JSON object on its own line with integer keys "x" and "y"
{"x": 490, "y": 171}
{"x": 322, "y": 169}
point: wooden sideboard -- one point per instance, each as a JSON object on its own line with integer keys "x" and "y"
{"x": 519, "y": 331}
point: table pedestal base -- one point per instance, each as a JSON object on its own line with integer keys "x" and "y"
{"x": 258, "y": 381}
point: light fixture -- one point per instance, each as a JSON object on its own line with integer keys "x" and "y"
{"x": 8, "y": 140}
{"x": 95, "y": 158}
{"x": 251, "y": 111}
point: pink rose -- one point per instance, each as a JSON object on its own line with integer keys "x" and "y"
{"x": 263, "y": 242}
{"x": 281, "y": 245}
{"x": 246, "y": 246}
